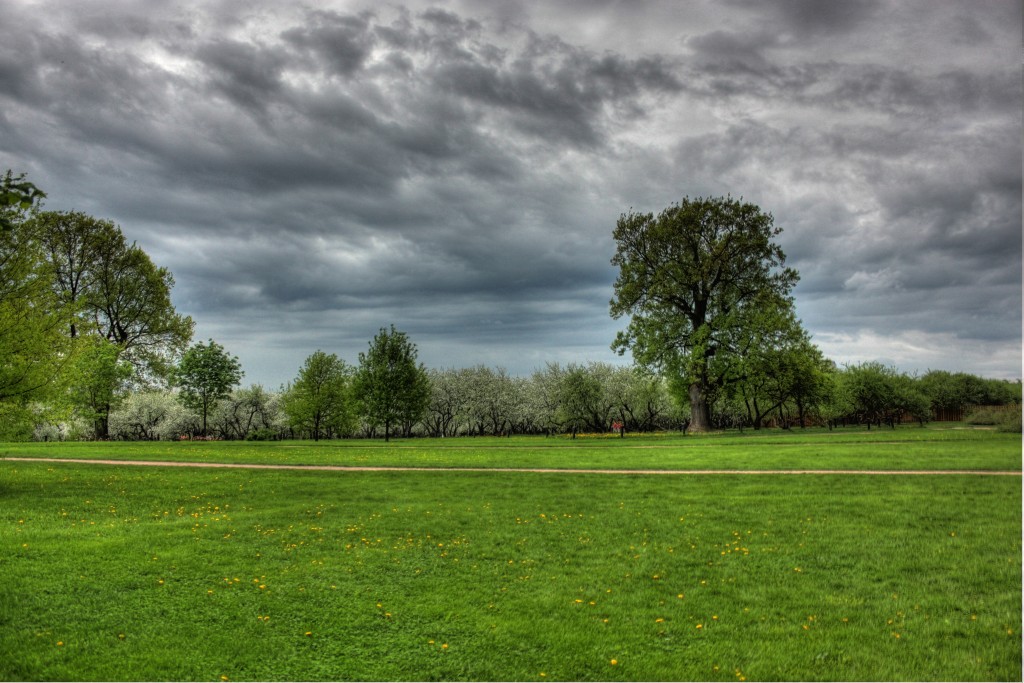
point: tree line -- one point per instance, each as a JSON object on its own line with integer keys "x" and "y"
{"x": 92, "y": 347}
{"x": 330, "y": 399}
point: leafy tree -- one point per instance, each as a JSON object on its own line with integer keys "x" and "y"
{"x": 318, "y": 401}
{"x": 206, "y": 375}
{"x": 878, "y": 394}
{"x": 112, "y": 289}
{"x": 642, "y": 400}
{"x": 697, "y": 281}
{"x": 390, "y": 387}
{"x": 99, "y": 380}
{"x": 449, "y": 401}
{"x": 147, "y": 415}
{"x": 248, "y": 412}
{"x": 494, "y": 400}
{"x": 33, "y": 349}
{"x": 779, "y": 369}
{"x": 581, "y": 401}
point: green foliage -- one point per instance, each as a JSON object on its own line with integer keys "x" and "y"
{"x": 874, "y": 394}
{"x": 17, "y": 195}
{"x": 391, "y": 389}
{"x": 262, "y": 434}
{"x": 1005, "y": 418}
{"x": 580, "y": 401}
{"x": 956, "y": 391}
{"x": 205, "y": 375}
{"x": 319, "y": 401}
{"x": 33, "y": 349}
{"x": 17, "y": 421}
{"x": 698, "y": 281}
{"x": 98, "y": 381}
{"x": 779, "y": 367}
{"x": 112, "y": 289}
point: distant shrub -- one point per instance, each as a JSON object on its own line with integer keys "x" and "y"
{"x": 1011, "y": 422}
{"x": 265, "y": 434}
{"x": 1004, "y": 418}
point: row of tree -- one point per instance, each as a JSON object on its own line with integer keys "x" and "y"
{"x": 90, "y": 345}
{"x": 331, "y": 399}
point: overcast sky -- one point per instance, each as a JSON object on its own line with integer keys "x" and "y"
{"x": 313, "y": 172}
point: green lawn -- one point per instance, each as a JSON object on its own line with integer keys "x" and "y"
{"x": 113, "y": 573}
{"x": 906, "y": 448}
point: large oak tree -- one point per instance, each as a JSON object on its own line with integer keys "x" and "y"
{"x": 698, "y": 281}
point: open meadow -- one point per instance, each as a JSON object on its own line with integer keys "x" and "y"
{"x": 153, "y": 573}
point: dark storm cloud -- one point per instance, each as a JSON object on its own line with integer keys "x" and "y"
{"x": 311, "y": 174}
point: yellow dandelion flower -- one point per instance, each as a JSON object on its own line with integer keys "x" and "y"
{"x": 700, "y": 625}
{"x": 309, "y": 634}
{"x": 444, "y": 646}
{"x": 60, "y": 643}
{"x": 658, "y": 620}
{"x": 614, "y": 662}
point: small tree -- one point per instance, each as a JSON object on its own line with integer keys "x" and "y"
{"x": 205, "y": 375}
{"x": 391, "y": 389}
{"x": 318, "y": 400}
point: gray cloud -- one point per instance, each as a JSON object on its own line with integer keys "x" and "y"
{"x": 310, "y": 175}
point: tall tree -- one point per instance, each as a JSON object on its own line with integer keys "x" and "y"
{"x": 696, "y": 281}
{"x": 111, "y": 288}
{"x": 205, "y": 375}
{"x": 318, "y": 401}
{"x": 389, "y": 385}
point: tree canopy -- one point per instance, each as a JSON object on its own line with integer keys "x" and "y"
{"x": 112, "y": 288}
{"x": 698, "y": 281}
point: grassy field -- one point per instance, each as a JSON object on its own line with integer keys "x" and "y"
{"x": 906, "y": 448}
{"x": 114, "y": 573}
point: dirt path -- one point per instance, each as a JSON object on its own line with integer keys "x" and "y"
{"x": 359, "y": 468}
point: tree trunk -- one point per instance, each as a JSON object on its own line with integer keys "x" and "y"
{"x": 700, "y": 419}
